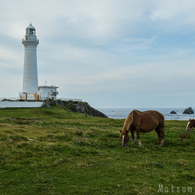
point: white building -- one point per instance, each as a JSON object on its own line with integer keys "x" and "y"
{"x": 47, "y": 92}
{"x": 31, "y": 91}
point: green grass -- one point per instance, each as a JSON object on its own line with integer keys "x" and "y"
{"x": 53, "y": 151}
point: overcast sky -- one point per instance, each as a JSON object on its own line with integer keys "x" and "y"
{"x": 110, "y": 53}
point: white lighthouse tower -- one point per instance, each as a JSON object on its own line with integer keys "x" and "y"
{"x": 30, "y": 78}
{"x": 31, "y": 91}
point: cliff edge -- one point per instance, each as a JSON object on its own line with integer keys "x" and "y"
{"x": 74, "y": 106}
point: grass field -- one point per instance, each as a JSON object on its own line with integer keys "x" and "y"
{"x": 53, "y": 151}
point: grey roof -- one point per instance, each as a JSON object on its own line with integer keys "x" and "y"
{"x": 30, "y": 26}
{"x": 48, "y": 86}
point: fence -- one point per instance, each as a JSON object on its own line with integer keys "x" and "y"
{"x": 70, "y": 99}
{"x": 60, "y": 99}
{"x": 9, "y": 99}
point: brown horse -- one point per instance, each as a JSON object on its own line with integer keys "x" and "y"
{"x": 143, "y": 122}
{"x": 191, "y": 123}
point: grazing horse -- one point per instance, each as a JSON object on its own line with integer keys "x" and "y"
{"x": 191, "y": 123}
{"x": 143, "y": 122}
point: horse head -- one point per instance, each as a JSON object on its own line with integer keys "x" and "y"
{"x": 126, "y": 127}
{"x": 191, "y": 123}
{"x": 124, "y": 138}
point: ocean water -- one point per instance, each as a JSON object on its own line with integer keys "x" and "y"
{"x": 122, "y": 113}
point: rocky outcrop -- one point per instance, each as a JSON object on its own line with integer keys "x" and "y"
{"x": 188, "y": 111}
{"x": 85, "y": 108}
{"x": 74, "y": 106}
{"x": 173, "y": 112}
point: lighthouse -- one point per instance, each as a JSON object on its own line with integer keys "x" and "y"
{"x": 30, "y": 90}
{"x": 30, "y": 78}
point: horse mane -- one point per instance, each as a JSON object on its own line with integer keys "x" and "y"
{"x": 128, "y": 121}
{"x": 193, "y": 121}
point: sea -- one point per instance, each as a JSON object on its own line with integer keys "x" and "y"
{"x": 122, "y": 113}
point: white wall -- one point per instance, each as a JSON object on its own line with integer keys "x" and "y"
{"x": 9, "y": 104}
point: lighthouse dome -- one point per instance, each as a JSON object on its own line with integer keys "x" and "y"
{"x": 30, "y": 26}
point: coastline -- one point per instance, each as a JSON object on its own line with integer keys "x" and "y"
{"x": 122, "y": 113}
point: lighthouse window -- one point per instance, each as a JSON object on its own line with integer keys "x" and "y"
{"x": 32, "y": 32}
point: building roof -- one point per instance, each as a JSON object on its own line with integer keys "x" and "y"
{"x": 30, "y": 26}
{"x": 44, "y": 86}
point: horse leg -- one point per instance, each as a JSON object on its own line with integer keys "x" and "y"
{"x": 162, "y": 136}
{"x": 160, "y": 132}
{"x": 138, "y": 136}
{"x": 133, "y": 137}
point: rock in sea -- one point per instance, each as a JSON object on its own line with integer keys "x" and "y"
{"x": 188, "y": 111}
{"x": 173, "y": 112}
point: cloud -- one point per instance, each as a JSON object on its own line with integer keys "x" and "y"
{"x": 174, "y": 16}
{"x": 166, "y": 9}
{"x": 140, "y": 43}
{"x": 96, "y": 20}
{"x": 9, "y": 57}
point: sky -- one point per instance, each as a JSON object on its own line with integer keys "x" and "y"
{"x": 109, "y": 53}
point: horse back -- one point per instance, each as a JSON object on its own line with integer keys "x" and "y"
{"x": 148, "y": 120}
